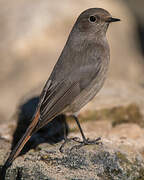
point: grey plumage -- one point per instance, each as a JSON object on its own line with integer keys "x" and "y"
{"x": 78, "y": 74}
{"x": 81, "y": 68}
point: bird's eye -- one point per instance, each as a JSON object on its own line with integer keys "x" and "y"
{"x": 92, "y": 19}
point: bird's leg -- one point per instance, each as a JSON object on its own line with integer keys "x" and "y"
{"x": 86, "y": 141}
{"x": 66, "y": 139}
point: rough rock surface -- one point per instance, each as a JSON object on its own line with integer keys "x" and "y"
{"x": 98, "y": 162}
{"x": 115, "y": 115}
{"x": 31, "y": 38}
{"x": 117, "y": 102}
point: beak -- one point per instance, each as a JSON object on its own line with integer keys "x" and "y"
{"x": 111, "y": 19}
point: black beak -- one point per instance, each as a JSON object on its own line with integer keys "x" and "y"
{"x": 110, "y": 19}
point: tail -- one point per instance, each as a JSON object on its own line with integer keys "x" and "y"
{"x": 15, "y": 152}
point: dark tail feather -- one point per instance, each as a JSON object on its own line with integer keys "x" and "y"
{"x": 15, "y": 152}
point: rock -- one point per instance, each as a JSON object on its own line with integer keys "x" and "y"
{"x": 115, "y": 115}
{"x": 108, "y": 161}
{"x": 116, "y": 108}
{"x": 117, "y": 93}
{"x": 33, "y": 34}
{"x": 117, "y": 112}
{"x": 4, "y": 149}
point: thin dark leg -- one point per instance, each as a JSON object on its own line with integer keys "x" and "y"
{"x": 81, "y": 131}
{"x": 85, "y": 141}
{"x": 65, "y": 134}
{"x": 66, "y": 139}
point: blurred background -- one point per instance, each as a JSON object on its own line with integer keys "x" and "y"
{"x": 33, "y": 34}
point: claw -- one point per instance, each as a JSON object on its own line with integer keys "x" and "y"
{"x": 81, "y": 143}
{"x": 67, "y": 140}
{"x": 87, "y": 142}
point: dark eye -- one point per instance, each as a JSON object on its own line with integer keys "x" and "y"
{"x": 92, "y": 19}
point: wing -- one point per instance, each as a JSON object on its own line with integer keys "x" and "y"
{"x": 55, "y": 100}
{"x": 56, "y": 96}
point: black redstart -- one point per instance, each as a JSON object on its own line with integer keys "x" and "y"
{"x": 77, "y": 76}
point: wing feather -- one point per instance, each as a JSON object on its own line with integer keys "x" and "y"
{"x": 58, "y": 103}
{"x": 58, "y": 95}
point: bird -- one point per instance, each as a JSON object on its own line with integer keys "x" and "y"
{"x": 77, "y": 76}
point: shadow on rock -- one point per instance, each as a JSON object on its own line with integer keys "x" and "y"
{"x": 52, "y": 133}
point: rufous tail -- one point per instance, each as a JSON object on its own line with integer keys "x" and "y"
{"x": 15, "y": 152}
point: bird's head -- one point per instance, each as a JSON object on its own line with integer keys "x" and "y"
{"x": 94, "y": 20}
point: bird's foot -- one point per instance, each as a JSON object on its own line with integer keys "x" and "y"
{"x": 76, "y": 139}
{"x": 81, "y": 143}
{"x": 87, "y": 142}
